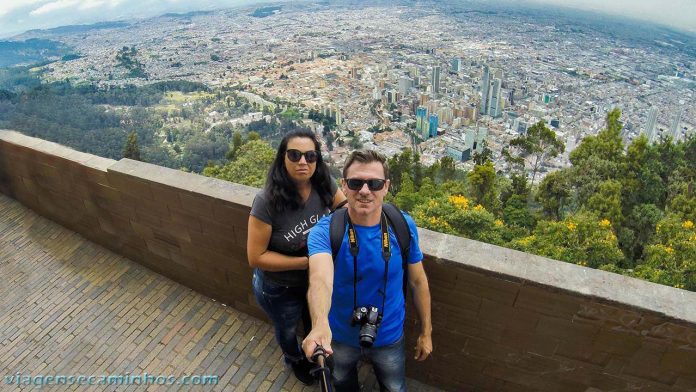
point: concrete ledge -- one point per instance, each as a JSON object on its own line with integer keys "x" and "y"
{"x": 195, "y": 183}
{"x": 55, "y": 149}
{"x": 677, "y": 304}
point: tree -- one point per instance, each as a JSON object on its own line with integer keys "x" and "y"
{"x": 482, "y": 184}
{"x": 448, "y": 171}
{"x": 131, "y": 149}
{"x": 598, "y": 158}
{"x": 407, "y": 198}
{"x": 641, "y": 182}
{"x": 553, "y": 193}
{"x": 516, "y": 212}
{"x": 403, "y": 164}
{"x": 606, "y": 202}
{"x": 486, "y": 154}
{"x": 539, "y": 144}
{"x": 250, "y": 167}
{"x": 236, "y": 145}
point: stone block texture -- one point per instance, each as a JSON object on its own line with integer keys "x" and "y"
{"x": 503, "y": 320}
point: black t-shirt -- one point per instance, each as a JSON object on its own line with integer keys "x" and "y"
{"x": 289, "y": 231}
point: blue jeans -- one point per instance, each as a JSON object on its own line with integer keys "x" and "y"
{"x": 285, "y": 306}
{"x": 389, "y": 363}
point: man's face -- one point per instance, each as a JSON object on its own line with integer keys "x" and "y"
{"x": 363, "y": 201}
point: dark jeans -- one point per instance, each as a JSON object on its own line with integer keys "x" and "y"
{"x": 389, "y": 363}
{"x": 284, "y": 306}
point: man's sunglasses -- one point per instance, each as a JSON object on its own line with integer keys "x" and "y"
{"x": 310, "y": 156}
{"x": 374, "y": 184}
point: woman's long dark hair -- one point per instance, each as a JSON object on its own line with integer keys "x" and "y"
{"x": 281, "y": 192}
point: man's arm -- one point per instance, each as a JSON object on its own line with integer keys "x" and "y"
{"x": 421, "y": 299}
{"x": 321, "y": 272}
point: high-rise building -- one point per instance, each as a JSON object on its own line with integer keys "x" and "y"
{"x": 405, "y": 84}
{"x": 424, "y": 98}
{"x": 433, "y": 124}
{"x": 650, "y": 125}
{"x": 339, "y": 118}
{"x": 435, "y": 79}
{"x": 485, "y": 85}
{"x": 392, "y": 96}
{"x": 470, "y": 112}
{"x": 491, "y": 95}
{"x": 494, "y": 102}
{"x": 433, "y": 106}
{"x": 456, "y": 65}
{"x": 675, "y": 129}
{"x": 376, "y": 93}
{"x": 445, "y": 115}
{"x": 421, "y": 113}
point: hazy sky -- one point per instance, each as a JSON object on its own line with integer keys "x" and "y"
{"x": 20, "y": 15}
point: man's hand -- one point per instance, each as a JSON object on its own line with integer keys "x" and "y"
{"x": 319, "y": 336}
{"x": 424, "y": 346}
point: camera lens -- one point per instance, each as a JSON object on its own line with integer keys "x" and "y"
{"x": 368, "y": 332}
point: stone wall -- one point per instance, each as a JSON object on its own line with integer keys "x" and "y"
{"x": 503, "y": 320}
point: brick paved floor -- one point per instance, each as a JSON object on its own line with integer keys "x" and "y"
{"x": 71, "y": 307}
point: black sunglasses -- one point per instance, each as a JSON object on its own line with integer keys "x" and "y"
{"x": 310, "y": 156}
{"x": 373, "y": 184}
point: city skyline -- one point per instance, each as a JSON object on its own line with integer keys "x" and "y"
{"x": 17, "y": 16}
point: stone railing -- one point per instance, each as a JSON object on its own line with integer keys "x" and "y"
{"x": 503, "y": 320}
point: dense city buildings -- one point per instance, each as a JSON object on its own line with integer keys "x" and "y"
{"x": 378, "y": 70}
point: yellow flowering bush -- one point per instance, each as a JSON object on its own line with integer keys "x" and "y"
{"x": 670, "y": 258}
{"x": 454, "y": 215}
{"x": 459, "y": 201}
{"x": 584, "y": 240}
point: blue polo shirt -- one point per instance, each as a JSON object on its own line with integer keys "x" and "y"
{"x": 370, "y": 281}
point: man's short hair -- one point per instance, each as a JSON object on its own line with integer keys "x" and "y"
{"x": 366, "y": 156}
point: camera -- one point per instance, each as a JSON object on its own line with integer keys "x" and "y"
{"x": 369, "y": 318}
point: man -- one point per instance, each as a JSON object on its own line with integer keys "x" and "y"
{"x": 335, "y": 290}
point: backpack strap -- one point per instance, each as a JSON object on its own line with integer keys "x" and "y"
{"x": 337, "y": 229}
{"x": 341, "y": 204}
{"x": 403, "y": 236}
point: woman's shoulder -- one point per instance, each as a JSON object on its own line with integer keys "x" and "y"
{"x": 261, "y": 208}
{"x": 260, "y": 195}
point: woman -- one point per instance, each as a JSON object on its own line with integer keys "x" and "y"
{"x": 298, "y": 192}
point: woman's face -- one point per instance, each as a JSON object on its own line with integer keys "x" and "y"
{"x": 300, "y": 171}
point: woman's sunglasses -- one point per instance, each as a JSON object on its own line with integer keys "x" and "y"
{"x": 310, "y": 156}
{"x": 374, "y": 184}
